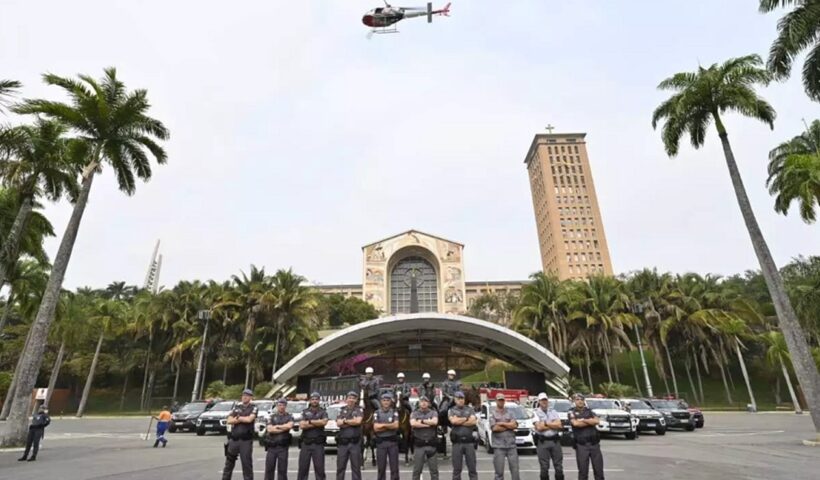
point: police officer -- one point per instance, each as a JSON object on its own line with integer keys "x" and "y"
{"x": 449, "y": 388}
{"x": 314, "y": 419}
{"x": 463, "y": 421}
{"x": 385, "y": 426}
{"x": 587, "y": 441}
{"x": 548, "y": 438}
{"x": 349, "y": 439}
{"x": 36, "y": 430}
{"x": 503, "y": 426}
{"x": 402, "y": 391}
{"x": 427, "y": 389}
{"x": 240, "y": 437}
{"x": 371, "y": 384}
{"x": 277, "y": 441}
{"x": 424, "y": 422}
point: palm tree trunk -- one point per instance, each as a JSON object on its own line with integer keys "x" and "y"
{"x": 11, "y": 244}
{"x": 777, "y": 399}
{"x": 700, "y": 380}
{"x": 589, "y": 373}
{"x": 90, "y": 379}
{"x": 14, "y": 382}
{"x": 615, "y": 369}
{"x": 225, "y": 372}
{"x": 55, "y": 372}
{"x": 635, "y": 374}
{"x": 688, "y": 368}
{"x": 176, "y": 383}
{"x": 150, "y": 392}
{"x": 745, "y": 375}
{"x": 7, "y": 310}
{"x": 16, "y": 428}
{"x": 672, "y": 371}
{"x": 275, "y": 357}
{"x": 725, "y": 385}
{"x": 608, "y": 370}
{"x": 124, "y": 391}
{"x": 804, "y": 366}
{"x": 797, "y": 408}
{"x": 248, "y": 371}
{"x": 145, "y": 371}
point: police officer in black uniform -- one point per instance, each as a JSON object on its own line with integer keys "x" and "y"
{"x": 314, "y": 419}
{"x": 402, "y": 390}
{"x": 463, "y": 422}
{"x": 240, "y": 437}
{"x": 371, "y": 384}
{"x": 428, "y": 390}
{"x": 349, "y": 439}
{"x": 36, "y": 430}
{"x": 587, "y": 441}
{"x": 386, "y": 425}
{"x": 449, "y": 388}
{"x": 277, "y": 441}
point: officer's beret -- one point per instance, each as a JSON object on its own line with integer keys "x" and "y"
{"x": 283, "y": 401}
{"x": 424, "y": 397}
{"x": 352, "y": 394}
{"x": 387, "y": 395}
{"x": 315, "y": 395}
{"x": 247, "y": 391}
{"x": 459, "y": 394}
{"x": 578, "y": 396}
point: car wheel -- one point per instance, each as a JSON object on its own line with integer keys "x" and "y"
{"x": 631, "y": 436}
{"x": 200, "y": 432}
{"x": 488, "y": 445}
{"x": 690, "y": 428}
{"x": 172, "y": 429}
{"x": 660, "y": 431}
{"x": 699, "y": 425}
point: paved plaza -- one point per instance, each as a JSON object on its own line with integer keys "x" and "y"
{"x": 733, "y": 445}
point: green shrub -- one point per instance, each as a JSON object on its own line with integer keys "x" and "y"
{"x": 215, "y": 389}
{"x": 233, "y": 392}
{"x": 576, "y": 385}
{"x": 262, "y": 389}
{"x": 616, "y": 390}
{"x": 5, "y": 383}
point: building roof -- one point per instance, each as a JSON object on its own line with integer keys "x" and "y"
{"x": 547, "y": 136}
{"x": 412, "y": 231}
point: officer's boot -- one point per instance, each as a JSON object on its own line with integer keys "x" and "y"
{"x": 559, "y": 476}
{"x": 156, "y": 443}
{"x": 32, "y": 458}
{"x": 23, "y": 458}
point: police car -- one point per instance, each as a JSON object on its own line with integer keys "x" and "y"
{"x": 613, "y": 417}
{"x": 675, "y": 413}
{"x": 294, "y": 407}
{"x": 331, "y": 429}
{"x": 562, "y": 407}
{"x": 523, "y": 434}
{"x": 215, "y": 419}
{"x": 264, "y": 409}
{"x": 649, "y": 419}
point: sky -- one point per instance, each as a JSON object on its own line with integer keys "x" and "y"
{"x": 296, "y": 140}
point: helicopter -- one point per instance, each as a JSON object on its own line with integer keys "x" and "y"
{"x": 383, "y": 19}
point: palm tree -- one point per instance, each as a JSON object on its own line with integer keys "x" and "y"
{"x": 116, "y": 130}
{"x": 794, "y": 173}
{"x": 700, "y": 98}
{"x": 70, "y": 314}
{"x": 248, "y": 291}
{"x": 797, "y": 31}
{"x": 7, "y": 89}
{"x": 542, "y": 312}
{"x": 105, "y": 317}
{"x": 41, "y": 163}
{"x": 777, "y": 354}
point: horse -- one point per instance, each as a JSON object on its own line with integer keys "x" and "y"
{"x": 368, "y": 432}
{"x": 406, "y": 433}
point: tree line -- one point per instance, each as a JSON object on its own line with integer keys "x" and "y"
{"x": 58, "y": 148}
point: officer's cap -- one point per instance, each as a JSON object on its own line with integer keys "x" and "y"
{"x": 352, "y": 394}
{"x": 315, "y": 395}
{"x": 387, "y": 395}
{"x": 578, "y": 396}
{"x": 400, "y": 375}
{"x": 425, "y": 375}
{"x": 424, "y": 398}
{"x": 283, "y": 401}
{"x": 459, "y": 394}
{"x": 368, "y": 370}
{"x": 451, "y": 372}
{"x": 543, "y": 396}
{"x": 500, "y": 396}
{"x": 247, "y": 392}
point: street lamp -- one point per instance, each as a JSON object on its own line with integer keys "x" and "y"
{"x": 203, "y": 316}
{"x": 637, "y": 309}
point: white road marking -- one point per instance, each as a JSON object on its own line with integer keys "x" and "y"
{"x": 741, "y": 434}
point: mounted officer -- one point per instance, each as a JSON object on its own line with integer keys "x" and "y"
{"x": 402, "y": 390}
{"x": 427, "y": 389}
{"x": 371, "y": 384}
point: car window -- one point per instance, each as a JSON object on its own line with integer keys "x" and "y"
{"x": 666, "y": 404}
{"x": 561, "y": 405}
{"x": 192, "y": 407}
{"x": 638, "y": 405}
{"x": 264, "y": 405}
{"x": 222, "y": 407}
{"x": 295, "y": 407}
{"x": 596, "y": 403}
{"x": 333, "y": 411}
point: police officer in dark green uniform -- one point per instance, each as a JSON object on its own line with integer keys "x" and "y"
{"x": 314, "y": 419}
{"x": 463, "y": 421}
{"x": 277, "y": 441}
{"x": 349, "y": 439}
{"x": 587, "y": 439}
{"x": 386, "y": 426}
{"x": 240, "y": 437}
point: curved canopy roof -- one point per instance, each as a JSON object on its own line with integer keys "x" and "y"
{"x": 426, "y": 329}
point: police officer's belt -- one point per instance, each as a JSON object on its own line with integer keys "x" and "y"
{"x": 282, "y": 442}
{"x": 425, "y": 443}
{"x": 461, "y": 438}
{"x": 314, "y": 440}
{"x": 588, "y": 441}
{"x": 349, "y": 440}
{"x": 542, "y": 438}
{"x": 392, "y": 438}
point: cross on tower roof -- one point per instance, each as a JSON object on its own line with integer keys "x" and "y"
{"x": 549, "y": 128}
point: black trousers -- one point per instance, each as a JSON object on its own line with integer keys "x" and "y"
{"x": 242, "y": 449}
{"x": 387, "y": 452}
{"x": 33, "y": 440}
{"x": 584, "y": 454}
{"x": 316, "y": 453}
{"x": 276, "y": 461}
{"x": 351, "y": 452}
